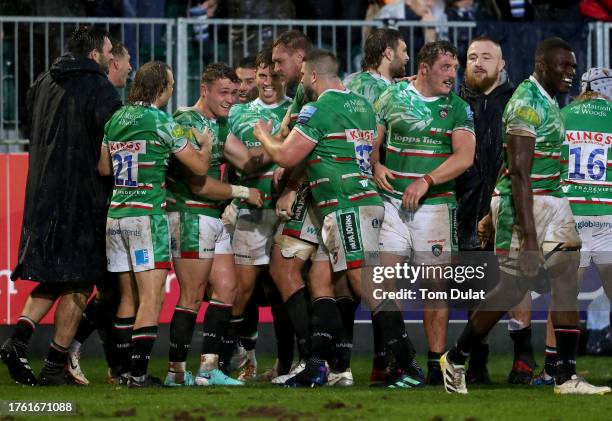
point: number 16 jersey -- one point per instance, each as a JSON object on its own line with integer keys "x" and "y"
{"x": 586, "y": 161}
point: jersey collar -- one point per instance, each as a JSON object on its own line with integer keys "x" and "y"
{"x": 259, "y": 102}
{"x": 380, "y": 77}
{"x": 541, "y": 89}
{"x": 345, "y": 91}
{"x": 413, "y": 88}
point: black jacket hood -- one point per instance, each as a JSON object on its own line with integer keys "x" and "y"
{"x": 70, "y": 65}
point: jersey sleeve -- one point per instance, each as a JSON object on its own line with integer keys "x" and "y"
{"x": 464, "y": 117}
{"x": 311, "y": 122}
{"x": 233, "y": 119}
{"x": 174, "y": 136}
{"x": 380, "y": 107}
{"x": 522, "y": 117}
{"x": 296, "y": 105}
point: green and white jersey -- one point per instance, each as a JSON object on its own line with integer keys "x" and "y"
{"x": 532, "y": 111}
{"x": 180, "y": 197}
{"x": 419, "y": 136}
{"x": 299, "y": 100}
{"x": 367, "y": 84}
{"x": 342, "y": 124}
{"x": 242, "y": 119}
{"x": 586, "y": 159}
{"x": 140, "y": 140}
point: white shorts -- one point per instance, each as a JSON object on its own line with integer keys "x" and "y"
{"x": 554, "y": 225}
{"x": 137, "y": 243}
{"x": 195, "y": 236}
{"x": 351, "y": 236}
{"x": 596, "y": 235}
{"x": 253, "y": 236}
{"x": 428, "y": 235}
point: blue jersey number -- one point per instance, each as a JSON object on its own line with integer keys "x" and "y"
{"x": 123, "y": 170}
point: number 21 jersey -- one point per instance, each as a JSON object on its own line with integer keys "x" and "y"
{"x": 140, "y": 140}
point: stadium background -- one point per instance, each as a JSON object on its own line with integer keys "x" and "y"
{"x": 29, "y": 44}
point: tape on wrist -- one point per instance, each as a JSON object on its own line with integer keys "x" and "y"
{"x": 240, "y": 192}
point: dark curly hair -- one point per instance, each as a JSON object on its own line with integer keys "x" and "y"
{"x": 377, "y": 42}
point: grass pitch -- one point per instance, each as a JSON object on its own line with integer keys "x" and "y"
{"x": 258, "y": 401}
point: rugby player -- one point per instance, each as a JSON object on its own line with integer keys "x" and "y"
{"x": 198, "y": 235}
{"x": 252, "y": 238}
{"x": 532, "y": 217}
{"x": 384, "y": 59}
{"x": 429, "y": 142}
{"x": 247, "y": 90}
{"x": 586, "y": 184}
{"x": 334, "y": 134}
{"x": 296, "y": 238}
{"x": 138, "y": 142}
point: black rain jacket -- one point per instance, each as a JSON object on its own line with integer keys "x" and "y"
{"x": 63, "y": 232}
{"x": 475, "y": 187}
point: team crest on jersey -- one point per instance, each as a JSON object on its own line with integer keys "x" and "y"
{"x": 306, "y": 114}
{"x": 443, "y": 112}
{"x": 436, "y": 249}
{"x": 178, "y": 131}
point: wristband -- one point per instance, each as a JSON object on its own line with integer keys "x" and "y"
{"x": 429, "y": 180}
{"x": 293, "y": 185}
{"x": 240, "y": 192}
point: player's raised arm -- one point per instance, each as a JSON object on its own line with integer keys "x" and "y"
{"x": 289, "y": 153}
{"x": 243, "y": 158}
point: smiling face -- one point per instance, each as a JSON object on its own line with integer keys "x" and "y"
{"x": 269, "y": 85}
{"x": 484, "y": 65}
{"x": 218, "y": 96}
{"x": 440, "y": 76}
{"x": 558, "y": 70}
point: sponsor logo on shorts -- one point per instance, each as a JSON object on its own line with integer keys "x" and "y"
{"x": 142, "y": 256}
{"x": 350, "y": 232}
{"x": 125, "y": 232}
{"x": 375, "y": 223}
{"x": 593, "y": 224}
{"x": 299, "y": 207}
{"x": 335, "y": 257}
{"x": 436, "y": 249}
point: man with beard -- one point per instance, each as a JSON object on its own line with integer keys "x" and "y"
{"x": 334, "y": 134}
{"x": 532, "y": 216}
{"x": 67, "y": 109}
{"x": 384, "y": 58}
{"x": 245, "y": 71}
{"x": 487, "y": 89}
{"x": 100, "y": 310}
{"x": 429, "y": 142}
